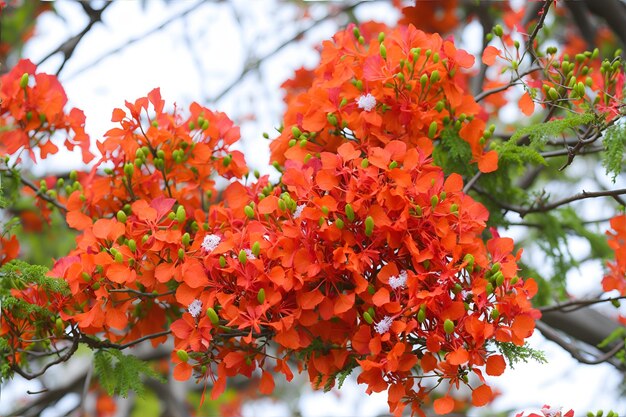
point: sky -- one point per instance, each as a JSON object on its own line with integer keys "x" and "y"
{"x": 195, "y": 58}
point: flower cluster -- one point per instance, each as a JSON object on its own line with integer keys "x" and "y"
{"x": 376, "y": 87}
{"x": 32, "y": 109}
{"x": 364, "y": 256}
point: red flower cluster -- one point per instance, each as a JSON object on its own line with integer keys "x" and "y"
{"x": 364, "y": 256}
{"x": 32, "y": 110}
{"x": 405, "y": 85}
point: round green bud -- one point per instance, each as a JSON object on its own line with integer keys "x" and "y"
{"x": 182, "y": 355}
{"x": 185, "y": 239}
{"x": 132, "y": 245}
{"x": 432, "y": 130}
{"x": 369, "y": 226}
{"x": 249, "y": 211}
{"x": 349, "y": 212}
{"x": 365, "y": 163}
{"x": 212, "y": 315}
{"x": 24, "y": 80}
{"x": 243, "y": 258}
{"x": 181, "y": 215}
{"x": 260, "y": 296}
{"x": 222, "y": 261}
{"x": 448, "y": 326}
{"x": 121, "y": 216}
{"x": 367, "y": 317}
{"x": 339, "y": 223}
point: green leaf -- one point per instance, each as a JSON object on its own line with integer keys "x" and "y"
{"x": 615, "y": 144}
{"x": 118, "y": 373}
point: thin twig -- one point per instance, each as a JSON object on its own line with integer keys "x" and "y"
{"x": 577, "y": 304}
{"x": 253, "y": 65}
{"x": 542, "y": 208}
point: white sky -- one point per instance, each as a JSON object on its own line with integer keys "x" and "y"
{"x": 199, "y": 69}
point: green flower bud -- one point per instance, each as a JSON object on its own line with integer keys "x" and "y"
{"x": 181, "y": 215}
{"x": 86, "y": 277}
{"x": 393, "y": 164}
{"x": 349, "y": 212}
{"x": 432, "y": 130}
{"x": 129, "y": 169}
{"x": 381, "y": 37}
{"x": 332, "y": 119}
{"x": 369, "y": 226}
{"x": 421, "y": 314}
{"x": 448, "y": 326}
{"x": 296, "y": 132}
{"x": 212, "y": 315}
{"x": 365, "y": 163}
{"x": 498, "y": 31}
{"x": 260, "y": 296}
{"x": 434, "y": 200}
{"x": 243, "y": 258}
{"x": 182, "y": 355}
{"x": 249, "y": 211}
{"x": 339, "y": 223}
{"x": 204, "y": 125}
{"x": 423, "y": 80}
{"x": 434, "y": 77}
{"x": 383, "y": 51}
{"x": 121, "y": 216}
{"x": 185, "y": 239}
{"x": 132, "y": 245}
{"x": 24, "y": 80}
{"x": 367, "y": 317}
{"x": 495, "y": 314}
{"x": 227, "y": 160}
{"x": 553, "y": 94}
{"x": 119, "y": 258}
{"x": 181, "y": 253}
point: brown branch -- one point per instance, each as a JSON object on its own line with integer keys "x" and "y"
{"x": 33, "y": 186}
{"x": 530, "y": 48}
{"x": 255, "y": 64}
{"x": 131, "y": 41}
{"x": 578, "y": 304}
{"x": 552, "y": 335}
{"x": 68, "y": 47}
{"x": 92, "y": 343}
{"x": 542, "y": 208}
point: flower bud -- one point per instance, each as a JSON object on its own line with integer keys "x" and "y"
{"x": 121, "y": 216}
{"x": 383, "y": 51}
{"x": 448, "y": 326}
{"x": 185, "y": 239}
{"x": 432, "y": 130}
{"x": 249, "y": 211}
{"x": 24, "y": 80}
{"x": 132, "y": 245}
{"x": 129, "y": 169}
{"x": 181, "y": 215}
{"x": 243, "y": 258}
{"x": 212, "y": 315}
{"x": 349, "y": 212}
{"x": 365, "y": 163}
{"x": 227, "y": 160}
{"x": 260, "y": 296}
{"x": 222, "y": 262}
{"x": 367, "y": 317}
{"x": 339, "y": 223}
{"x": 182, "y": 355}
{"x": 369, "y": 226}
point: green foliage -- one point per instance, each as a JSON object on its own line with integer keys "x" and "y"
{"x": 453, "y": 154}
{"x": 515, "y": 354}
{"x": 615, "y": 144}
{"x": 118, "y": 373}
{"x": 539, "y": 133}
{"x": 339, "y": 377}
